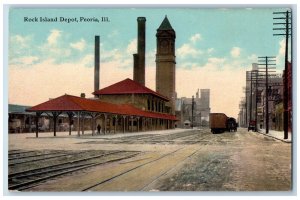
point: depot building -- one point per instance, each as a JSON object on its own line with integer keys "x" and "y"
{"x": 128, "y": 105}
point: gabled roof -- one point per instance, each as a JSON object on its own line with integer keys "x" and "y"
{"x": 165, "y": 25}
{"x": 72, "y": 103}
{"x": 128, "y": 86}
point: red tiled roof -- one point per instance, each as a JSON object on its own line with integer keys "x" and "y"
{"x": 128, "y": 86}
{"x": 72, "y": 103}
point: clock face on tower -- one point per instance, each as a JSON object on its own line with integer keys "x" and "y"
{"x": 164, "y": 46}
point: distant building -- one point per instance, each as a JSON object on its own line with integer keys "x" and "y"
{"x": 275, "y": 96}
{"x": 242, "y": 113}
{"x": 19, "y": 120}
{"x": 254, "y": 106}
{"x": 200, "y": 114}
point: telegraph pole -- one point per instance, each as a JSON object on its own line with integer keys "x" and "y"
{"x": 251, "y": 97}
{"x": 246, "y": 109}
{"x": 256, "y": 98}
{"x": 248, "y": 91}
{"x": 251, "y": 79}
{"x": 287, "y": 29}
{"x": 267, "y": 61}
{"x": 246, "y": 104}
{"x": 192, "y": 111}
{"x": 200, "y": 119}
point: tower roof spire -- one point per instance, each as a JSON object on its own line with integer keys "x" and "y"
{"x": 165, "y": 25}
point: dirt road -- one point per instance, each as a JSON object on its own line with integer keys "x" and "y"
{"x": 182, "y": 160}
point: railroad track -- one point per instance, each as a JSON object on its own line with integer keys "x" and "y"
{"x": 39, "y": 159}
{"x": 27, "y": 179}
{"x": 181, "y": 138}
{"x": 30, "y": 156}
{"x": 42, "y": 161}
{"x": 135, "y": 137}
{"x": 173, "y": 136}
{"x": 19, "y": 152}
{"x": 131, "y": 170}
{"x": 33, "y": 177}
{"x": 151, "y": 139}
{"x": 127, "y": 171}
{"x": 143, "y": 188}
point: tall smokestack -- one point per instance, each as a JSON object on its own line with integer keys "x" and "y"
{"x": 135, "y": 66}
{"x": 141, "y": 50}
{"x": 97, "y": 63}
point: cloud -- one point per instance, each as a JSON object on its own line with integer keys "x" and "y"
{"x": 80, "y": 45}
{"x": 54, "y": 36}
{"x": 113, "y": 34}
{"x": 210, "y": 50}
{"x": 195, "y": 38}
{"x": 27, "y": 60}
{"x": 235, "y": 52}
{"x": 55, "y": 47}
{"x": 188, "y": 50}
{"x": 19, "y": 45}
{"x": 87, "y": 61}
{"x": 280, "y": 58}
{"x": 112, "y": 55}
{"x": 216, "y": 61}
{"x": 282, "y": 48}
{"x": 21, "y": 41}
{"x": 132, "y": 47}
{"x": 252, "y": 58}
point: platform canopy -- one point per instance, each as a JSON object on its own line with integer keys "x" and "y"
{"x": 69, "y": 103}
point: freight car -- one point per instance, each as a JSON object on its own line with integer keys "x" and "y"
{"x": 231, "y": 124}
{"x": 219, "y": 123}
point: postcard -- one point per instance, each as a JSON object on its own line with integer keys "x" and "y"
{"x": 149, "y": 99}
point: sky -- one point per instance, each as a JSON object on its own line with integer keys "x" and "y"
{"x": 214, "y": 49}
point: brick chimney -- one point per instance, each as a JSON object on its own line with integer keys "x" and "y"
{"x": 97, "y": 64}
{"x": 139, "y": 70}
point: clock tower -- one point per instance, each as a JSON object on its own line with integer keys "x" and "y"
{"x": 165, "y": 63}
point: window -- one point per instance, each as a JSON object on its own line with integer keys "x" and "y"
{"x": 148, "y": 104}
{"x": 158, "y": 107}
{"x": 152, "y": 105}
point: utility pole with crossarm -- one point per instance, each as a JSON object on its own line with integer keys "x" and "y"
{"x": 285, "y": 25}
{"x": 267, "y": 61}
